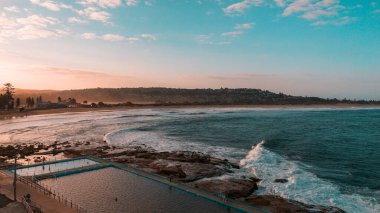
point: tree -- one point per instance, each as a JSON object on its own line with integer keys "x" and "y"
{"x": 59, "y": 99}
{"x": 18, "y": 102}
{"x": 72, "y": 101}
{"x": 9, "y": 92}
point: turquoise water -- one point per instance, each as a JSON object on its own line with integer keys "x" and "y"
{"x": 333, "y": 152}
{"x": 330, "y": 156}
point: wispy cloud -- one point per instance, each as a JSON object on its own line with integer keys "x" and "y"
{"x": 89, "y": 36}
{"x": 240, "y": 7}
{"x": 240, "y": 76}
{"x": 75, "y": 77}
{"x": 29, "y": 28}
{"x": 211, "y": 40}
{"x": 71, "y": 72}
{"x": 280, "y": 3}
{"x": 76, "y": 20}
{"x": 321, "y": 12}
{"x": 50, "y": 4}
{"x": 316, "y": 14}
{"x": 232, "y": 33}
{"x": 117, "y": 37}
{"x": 101, "y": 3}
{"x": 338, "y": 22}
{"x": 12, "y": 9}
{"x": 244, "y": 26}
{"x": 131, "y": 2}
{"x": 96, "y": 14}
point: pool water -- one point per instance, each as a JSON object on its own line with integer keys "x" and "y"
{"x": 54, "y": 167}
{"x": 115, "y": 190}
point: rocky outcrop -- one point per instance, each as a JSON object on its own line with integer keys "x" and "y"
{"x": 232, "y": 188}
{"x": 277, "y": 204}
{"x": 186, "y": 172}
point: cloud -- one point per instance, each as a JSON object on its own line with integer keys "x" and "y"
{"x": 232, "y": 33}
{"x": 211, "y": 40}
{"x": 70, "y": 72}
{"x": 132, "y": 2}
{"x": 94, "y": 13}
{"x": 112, "y": 37}
{"x": 321, "y": 12}
{"x": 316, "y": 14}
{"x": 29, "y": 28}
{"x": 297, "y": 6}
{"x": 240, "y": 7}
{"x": 339, "y": 22}
{"x": 244, "y": 26}
{"x": 37, "y": 20}
{"x": 149, "y": 36}
{"x": 88, "y": 36}
{"x": 12, "y": 9}
{"x": 240, "y": 76}
{"x": 280, "y": 3}
{"x": 76, "y": 20}
{"x": 101, "y": 3}
{"x": 117, "y": 37}
{"x": 50, "y": 5}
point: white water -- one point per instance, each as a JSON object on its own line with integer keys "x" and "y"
{"x": 302, "y": 185}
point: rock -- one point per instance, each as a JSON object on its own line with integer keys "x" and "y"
{"x": 277, "y": 204}
{"x": 192, "y": 171}
{"x": 172, "y": 171}
{"x": 233, "y": 188}
{"x": 255, "y": 179}
{"x": 197, "y": 171}
{"x": 281, "y": 181}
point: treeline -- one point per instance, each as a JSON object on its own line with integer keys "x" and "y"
{"x": 171, "y": 96}
{"x": 8, "y": 101}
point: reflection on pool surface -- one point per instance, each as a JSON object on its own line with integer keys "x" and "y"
{"x": 114, "y": 190}
{"x": 54, "y": 167}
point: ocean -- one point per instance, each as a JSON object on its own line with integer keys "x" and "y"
{"x": 329, "y": 156}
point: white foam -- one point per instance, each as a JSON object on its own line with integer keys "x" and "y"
{"x": 302, "y": 185}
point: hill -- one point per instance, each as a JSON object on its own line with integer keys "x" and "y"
{"x": 222, "y": 96}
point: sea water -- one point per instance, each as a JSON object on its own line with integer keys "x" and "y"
{"x": 329, "y": 156}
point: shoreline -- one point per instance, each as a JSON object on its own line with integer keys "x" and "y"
{"x": 6, "y": 115}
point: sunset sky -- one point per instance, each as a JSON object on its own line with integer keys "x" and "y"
{"x": 326, "y": 48}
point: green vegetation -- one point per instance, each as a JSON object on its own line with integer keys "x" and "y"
{"x": 170, "y": 96}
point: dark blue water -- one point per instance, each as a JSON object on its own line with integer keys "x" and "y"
{"x": 338, "y": 147}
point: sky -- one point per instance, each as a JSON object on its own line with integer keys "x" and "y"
{"x": 325, "y": 48}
